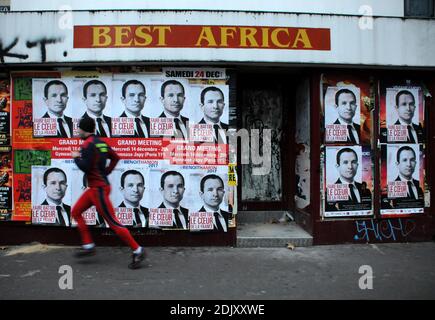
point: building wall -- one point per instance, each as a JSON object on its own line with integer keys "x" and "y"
{"x": 194, "y": 36}
{"x": 392, "y": 8}
{"x": 302, "y": 141}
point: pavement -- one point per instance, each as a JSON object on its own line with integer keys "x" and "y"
{"x": 399, "y": 271}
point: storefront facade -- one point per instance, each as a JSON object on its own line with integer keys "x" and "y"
{"x": 332, "y": 107}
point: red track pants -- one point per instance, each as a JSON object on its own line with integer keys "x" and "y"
{"x": 99, "y": 197}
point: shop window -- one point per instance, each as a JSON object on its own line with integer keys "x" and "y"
{"x": 419, "y": 8}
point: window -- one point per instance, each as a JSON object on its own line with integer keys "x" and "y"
{"x": 419, "y": 8}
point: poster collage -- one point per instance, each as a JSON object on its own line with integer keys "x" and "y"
{"x": 5, "y": 151}
{"x": 168, "y": 127}
{"x": 348, "y": 171}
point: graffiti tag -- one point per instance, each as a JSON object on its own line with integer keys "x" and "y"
{"x": 388, "y": 229}
{"x": 5, "y": 52}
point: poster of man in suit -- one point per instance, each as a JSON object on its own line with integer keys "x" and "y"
{"x": 195, "y": 195}
{"x": 212, "y": 192}
{"x": 402, "y": 114}
{"x": 51, "y": 108}
{"x": 213, "y": 123}
{"x": 131, "y": 94}
{"x": 51, "y": 194}
{"x": 348, "y": 182}
{"x": 402, "y": 181}
{"x": 130, "y": 193}
{"x": 92, "y": 98}
{"x": 132, "y": 188}
{"x": 174, "y": 101}
{"x": 172, "y": 188}
{"x": 342, "y": 115}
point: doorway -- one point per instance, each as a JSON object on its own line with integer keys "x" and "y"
{"x": 265, "y": 103}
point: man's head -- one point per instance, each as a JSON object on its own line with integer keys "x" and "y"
{"x": 55, "y": 184}
{"x": 133, "y": 96}
{"x": 405, "y": 106}
{"x": 56, "y": 97}
{"x": 345, "y": 103}
{"x": 347, "y": 164}
{"x": 406, "y": 161}
{"x": 132, "y": 187}
{"x": 172, "y": 187}
{"x": 172, "y": 97}
{"x": 95, "y": 96}
{"x": 212, "y": 191}
{"x": 86, "y": 127}
{"x": 212, "y": 103}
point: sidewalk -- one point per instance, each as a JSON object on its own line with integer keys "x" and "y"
{"x": 401, "y": 271}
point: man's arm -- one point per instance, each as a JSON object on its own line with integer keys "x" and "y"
{"x": 114, "y": 159}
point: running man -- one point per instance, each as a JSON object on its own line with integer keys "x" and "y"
{"x": 92, "y": 160}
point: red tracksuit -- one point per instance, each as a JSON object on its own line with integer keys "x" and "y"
{"x": 92, "y": 162}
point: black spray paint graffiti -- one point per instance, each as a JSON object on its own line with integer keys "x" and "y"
{"x": 42, "y": 43}
{"x": 388, "y": 229}
{"x": 5, "y": 52}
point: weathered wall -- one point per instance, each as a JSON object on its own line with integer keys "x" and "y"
{"x": 302, "y": 141}
{"x": 35, "y": 37}
{"x": 352, "y": 7}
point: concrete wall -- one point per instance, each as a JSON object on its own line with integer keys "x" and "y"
{"x": 353, "y": 40}
{"x": 348, "y": 7}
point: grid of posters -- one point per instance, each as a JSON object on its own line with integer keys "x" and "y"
{"x": 26, "y": 150}
{"x": 402, "y": 134}
{"x": 347, "y": 186}
{"x": 169, "y": 131}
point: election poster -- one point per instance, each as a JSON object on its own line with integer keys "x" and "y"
{"x": 51, "y": 194}
{"x": 5, "y": 183}
{"x": 402, "y": 179}
{"x": 168, "y": 128}
{"x": 52, "y": 113}
{"x": 211, "y": 196}
{"x": 130, "y": 185}
{"x": 22, "y": 109}
{"x": 210, "y": 116}
{"x": 25, "y": 149}
{"x": 401, "y": 114}
{"x": 348, "y": 181}
{"x": 132, "y": 101}
{"x": 347, "y": 103}
{"x": 180, "y": 194}
{"x": 22, "y": 121}
{"x": 23, "y": 160}
{"x": 91, "y": 96}
{"x": 5, "y": 112}
{"x": 214, "y": 213}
